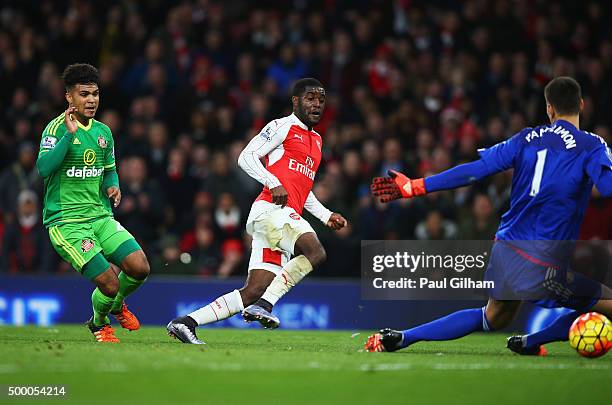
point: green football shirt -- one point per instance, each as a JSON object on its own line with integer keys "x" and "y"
{"x": 74, "y": 192}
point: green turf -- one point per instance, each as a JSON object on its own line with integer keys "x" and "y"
{"x": 271, "y": 367}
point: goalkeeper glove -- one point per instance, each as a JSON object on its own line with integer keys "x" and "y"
{"x": 396, "y": 186}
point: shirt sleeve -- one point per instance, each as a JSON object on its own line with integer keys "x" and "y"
{"x": 270, "y": 137}
{"x": 52, "y": 135}
{"x": 47, "y": 143}
{"x": 458, "y": 176}
{"x": 599, "y": 169}
{"x": 109, "y": 153}
{"x": 495, "y": 159}
{"x": 317, "y": 209}
{"x": 111, "y": 179}
{"x": 501, "y": 157}
{"x": 54, "y": 145}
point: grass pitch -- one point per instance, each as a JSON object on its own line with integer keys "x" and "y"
{"x": 292, "y": 367}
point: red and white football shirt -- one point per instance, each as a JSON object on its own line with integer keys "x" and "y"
{"x": 292, "y": 155}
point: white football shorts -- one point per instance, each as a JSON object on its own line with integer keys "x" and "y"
{"x": 275, "y": 230}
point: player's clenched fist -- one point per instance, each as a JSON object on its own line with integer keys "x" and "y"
{"x": 279, "y": 196}
{"x": 396, "y": 186}
{"x": 336, "y": 221}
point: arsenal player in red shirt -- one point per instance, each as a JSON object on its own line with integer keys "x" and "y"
{"x": 285, "y": 247}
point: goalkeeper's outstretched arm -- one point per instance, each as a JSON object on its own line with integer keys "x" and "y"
{"x": 458, "y": 176}
{"x": 492, "y": 160}
{"x": 398, "y": 185}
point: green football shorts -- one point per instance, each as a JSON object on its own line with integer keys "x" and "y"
{"x": 79, "y": 243}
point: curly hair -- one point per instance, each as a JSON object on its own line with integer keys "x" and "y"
{"x": 80, "y": 73}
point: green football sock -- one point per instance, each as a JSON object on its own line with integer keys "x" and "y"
{"x": 127, "y": 285}
{"x": 101, "y": 307}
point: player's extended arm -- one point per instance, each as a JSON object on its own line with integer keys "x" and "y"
{"x": 492, "y": 160}
{"x": 50, "y": 161}
{"x": 398, "y": 185}
{"x": 258, "y": 147}
{"x": 110, "y": 181}
{"x": 314, "y": 206}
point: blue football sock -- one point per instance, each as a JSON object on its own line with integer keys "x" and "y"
{"x": 557, "y": 331}
{"x": 450, "y": 327}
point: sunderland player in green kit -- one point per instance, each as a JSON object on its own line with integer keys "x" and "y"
{"x": 77, "y": 162}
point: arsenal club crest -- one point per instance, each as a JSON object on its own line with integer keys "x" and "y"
{"x": 102, "y": 142}
{"x": 87, "y": 245}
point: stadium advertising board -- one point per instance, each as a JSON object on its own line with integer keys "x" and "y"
{"x": 322, "y": 305}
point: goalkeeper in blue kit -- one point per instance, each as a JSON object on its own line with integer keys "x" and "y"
{"x": 555, "y": 168}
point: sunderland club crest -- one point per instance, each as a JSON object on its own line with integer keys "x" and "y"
{"x": 102, "y": 142}
{"x": 87, "y": 245}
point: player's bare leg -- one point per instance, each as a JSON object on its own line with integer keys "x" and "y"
{"x": 258, "y": 310}
{"x": 256, "y": 284}
{"x": 309, "y": 246}
{"x": 309, "y": 254}
{"x": 115, "y": 269}
{"x": 501, "y": 313}
{"x": 133, "y": 271}
{"x": 107, "y": 283}
{"x": 102, "y": 300}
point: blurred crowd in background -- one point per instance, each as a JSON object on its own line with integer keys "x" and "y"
{"x": 415, "y": 86}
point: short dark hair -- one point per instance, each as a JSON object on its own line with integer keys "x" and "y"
{"x": 80, "y": 73}
{"x": 564, "y": 94}
{"x": 300, "y": 86}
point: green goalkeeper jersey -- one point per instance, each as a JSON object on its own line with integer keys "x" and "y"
{"x": 74, "y": 189}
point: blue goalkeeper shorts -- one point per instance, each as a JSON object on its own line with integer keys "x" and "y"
{"x": 519, "y": 275}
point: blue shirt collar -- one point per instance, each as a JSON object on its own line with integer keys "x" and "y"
{"x": 565, "y": 124}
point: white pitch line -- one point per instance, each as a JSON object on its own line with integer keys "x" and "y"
{"x": 7, "y": 368}
{"x": 482, "y": 366}
{"x": 314, "y": 365}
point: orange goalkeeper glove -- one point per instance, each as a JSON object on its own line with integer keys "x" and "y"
{"x": 396, "y": 186}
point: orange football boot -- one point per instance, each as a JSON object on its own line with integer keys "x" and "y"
{"x": 126, "y": 319}
{"x": 104, "y": 333}
{"x": 373, "y": 344}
